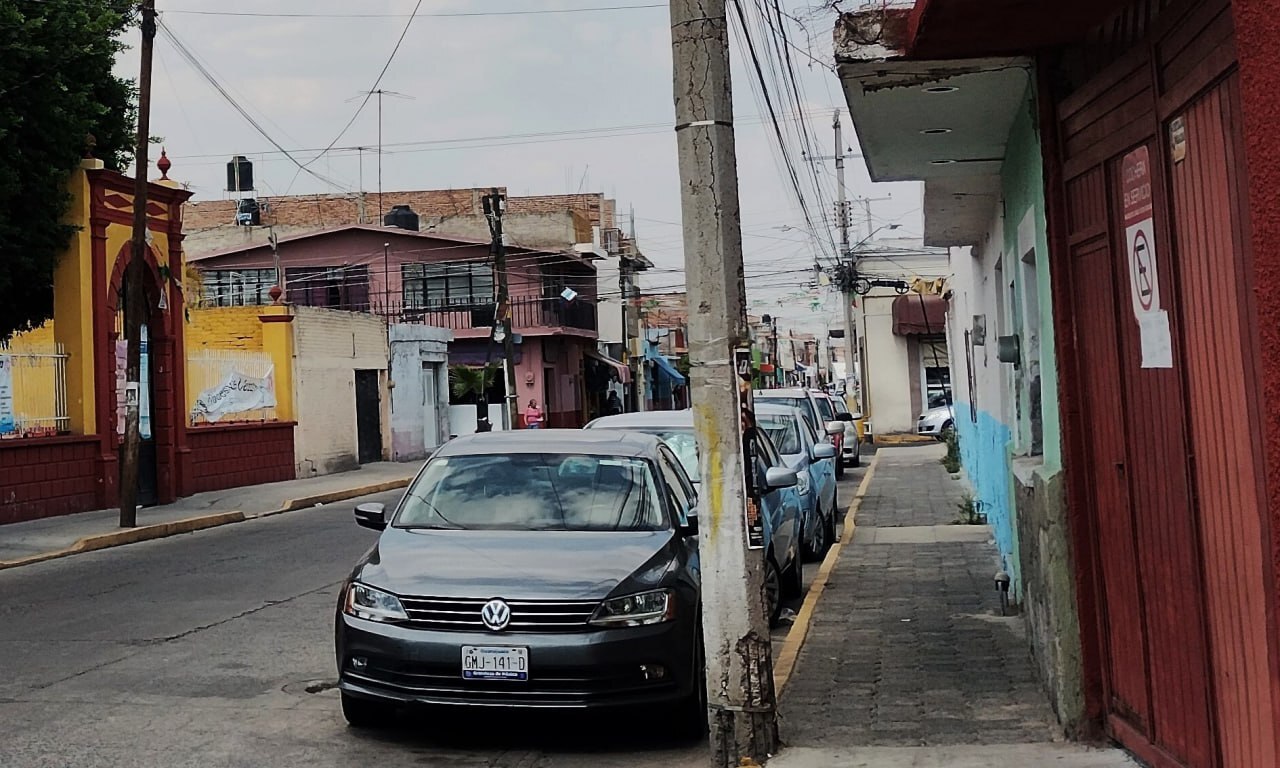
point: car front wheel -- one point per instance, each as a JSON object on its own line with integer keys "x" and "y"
{"x": 772, "y": 591}
{"x": 365, "y": 713}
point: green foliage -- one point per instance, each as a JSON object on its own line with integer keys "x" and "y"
{"x": 56, "y": 89}
{"x": 468, "y": 383}
{"x": 969, "y": 514}
{"x": 952, "y": 460}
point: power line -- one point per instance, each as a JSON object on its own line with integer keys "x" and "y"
{"x": 200, "y": 68}
{"x": 368, "y": 94}
{"x": 440, "y": 15}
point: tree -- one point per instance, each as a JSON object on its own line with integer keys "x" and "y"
{"x": 58, "y": 98}
{"x": 469, "y": 383}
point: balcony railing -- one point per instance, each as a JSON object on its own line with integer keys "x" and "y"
{"x": 526, "y": 313}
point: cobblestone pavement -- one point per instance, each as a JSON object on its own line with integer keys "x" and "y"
{"x": 908, "y": 646}
{"x": 911, "y": 488}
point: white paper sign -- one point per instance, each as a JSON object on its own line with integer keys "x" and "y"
{"x": 8, "y": 422}
{"x": 1157, "y": 348}
{"x": 237, "y": 393}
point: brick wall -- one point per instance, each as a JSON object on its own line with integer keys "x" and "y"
{"x": 339, "y": 209}
{"x": 330, "y": 346}
{"x": 335, "y": 210}
{"x": 225, "y": 328}
{"x": 44, "y": 477}
{"x": 235, "y": 455}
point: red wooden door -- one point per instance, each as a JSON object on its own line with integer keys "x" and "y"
{"x": 1209, "y": 214}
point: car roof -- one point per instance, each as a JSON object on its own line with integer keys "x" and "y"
{"x": 777, "y": 409}
{"x": 766, "y": 394}
{"x": 654, "y": 419}
{"x": 579, "y": 441}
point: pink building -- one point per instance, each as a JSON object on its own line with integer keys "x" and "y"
{"x": 446, "y": 282}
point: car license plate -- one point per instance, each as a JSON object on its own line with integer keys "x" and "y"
{"x": 492, "y": 663}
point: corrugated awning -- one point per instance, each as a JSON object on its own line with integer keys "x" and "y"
{"x": 918, "y": 314}
{"x": 624, "y": 373}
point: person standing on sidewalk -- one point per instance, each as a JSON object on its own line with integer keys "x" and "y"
{"x": 533, "y": 416}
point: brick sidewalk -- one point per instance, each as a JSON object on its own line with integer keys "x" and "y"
{"x": 908, "y": 647}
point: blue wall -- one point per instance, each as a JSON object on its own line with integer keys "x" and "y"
{"x": 984, "y": 453}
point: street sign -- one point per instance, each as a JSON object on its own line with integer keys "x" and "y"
{"x": 1139, "y": 228}
{"x": 1140, "y": 246}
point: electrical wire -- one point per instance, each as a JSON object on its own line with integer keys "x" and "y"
{"x": 438, "y": 15}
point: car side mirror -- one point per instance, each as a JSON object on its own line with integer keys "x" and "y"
{"x": 843, "y": 417}
{"x": 824, "y": 451}
{"x": 780, "y": 477}
{"x": 835, "y": 428}
{"x": 372, "y": 515}
{"x": 690, "y": 526}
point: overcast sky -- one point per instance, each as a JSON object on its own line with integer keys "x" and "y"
{"x": 596, "y": 86}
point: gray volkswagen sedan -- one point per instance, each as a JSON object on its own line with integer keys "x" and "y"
{"x": 539, "y": 568}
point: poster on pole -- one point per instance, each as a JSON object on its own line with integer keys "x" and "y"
{"x": 8, "y": 420}
{"x": 755, "y": 522}
{"x": 1140, "y": 248}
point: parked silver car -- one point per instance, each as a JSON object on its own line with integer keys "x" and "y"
{"x": 937, "y": 421}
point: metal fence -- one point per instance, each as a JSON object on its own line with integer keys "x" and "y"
{"x": 208, "y": 369}
{"x": 38, "y": 389}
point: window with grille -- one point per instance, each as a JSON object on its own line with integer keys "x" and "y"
{"x": 236, "y": 288}
{"x": 332, "y": 287}
{"x": 433, "y": 286}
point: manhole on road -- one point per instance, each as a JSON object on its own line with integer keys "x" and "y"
{"x": 310, "y": 686}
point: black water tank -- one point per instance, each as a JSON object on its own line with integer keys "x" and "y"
{"x": 245, "y": 179}
{"x": 401, "y": 216}
{"x": 248, "y": 212}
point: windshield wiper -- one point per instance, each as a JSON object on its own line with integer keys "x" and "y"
{"x": 431, "y": 527}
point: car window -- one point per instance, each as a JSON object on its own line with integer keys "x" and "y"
{"x": 676, "y": 484}
{"x": 803, "y": 403}
{"x": 543, "y": 491}
{"x": 825, "y": 407}
{"x": 782, "y": 431}
{"x": 770, "y": 451}
{"x": 681, "y": 442}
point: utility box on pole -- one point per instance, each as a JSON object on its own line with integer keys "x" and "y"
{"x": 741, "y": 698}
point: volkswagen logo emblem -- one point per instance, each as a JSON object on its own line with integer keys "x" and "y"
{"x": 496, "y": 615}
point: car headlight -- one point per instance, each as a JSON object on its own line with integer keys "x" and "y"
{"x": 636, "y": 610}
{"x": 365, "y": 602}
{"x": 802, "y": 481}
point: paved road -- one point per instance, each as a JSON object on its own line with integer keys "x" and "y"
{"x": 198, "y": 651}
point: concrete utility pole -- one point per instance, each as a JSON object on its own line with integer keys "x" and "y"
{"x": 850, "y": 328}
{"x": 494, "y": 206}
{"x": 134, "y": 292}
{"x": 740, "y": 690}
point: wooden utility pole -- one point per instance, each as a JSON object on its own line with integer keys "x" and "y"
{"x": 134, "y": 291}
{"x": 741, "y": 699}
{"x": 494, "y": 206}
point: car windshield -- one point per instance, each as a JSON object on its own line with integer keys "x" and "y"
{"x": 682, "y": 443}
{"x": 803, "y": 403}
{"x": 534, "y": 492}
{"x": 782, "y": 431}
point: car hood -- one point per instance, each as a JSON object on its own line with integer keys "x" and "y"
{"x": 941, "y": 412}
{"x": 520, "y": 565}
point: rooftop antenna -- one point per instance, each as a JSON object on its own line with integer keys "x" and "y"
{"x": 380, "y": 93}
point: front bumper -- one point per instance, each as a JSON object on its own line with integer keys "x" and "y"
{"x": 932, "y": 428}
{"x": 593, "y": 668}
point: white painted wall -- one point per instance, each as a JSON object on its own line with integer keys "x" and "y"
{"x": 420, "y": 390}
{"x": 329, "y": 347}
{"x": 888, "y": 372}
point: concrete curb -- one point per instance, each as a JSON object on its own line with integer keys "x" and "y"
{"x": 903, "y": 439}
{"x": 199, "y": 523}
{"x": 785, "y": 664}
{"x": 328, "y": 498}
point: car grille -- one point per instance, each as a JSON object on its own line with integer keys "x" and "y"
{"x": 463, "y": 614}
{"x": 562, "y": 687}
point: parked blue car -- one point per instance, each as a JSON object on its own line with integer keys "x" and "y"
{"x": 814, "y": 461}
{"x": 781, "y": 503}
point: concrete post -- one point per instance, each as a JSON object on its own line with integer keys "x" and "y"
{"x": 739, "y": 663}
{"x": 277, "y": 341}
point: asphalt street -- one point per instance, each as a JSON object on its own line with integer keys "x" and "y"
{"x": 214, "y": 649}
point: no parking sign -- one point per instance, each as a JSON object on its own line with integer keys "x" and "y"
{"x": 1140, "y": 245}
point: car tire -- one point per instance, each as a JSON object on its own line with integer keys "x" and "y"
{"x": 793, "y": 585}
{"x": 365, "y": 713}
{"x": 823, "y": 536}
{"x": 772, "y": 588}
{"x": 691, "y": 719}
{"x": 856, "y": 461}
{"x": 839, "y": 468}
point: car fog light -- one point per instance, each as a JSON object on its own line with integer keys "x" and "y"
{"x": 359, "y": 662}
{"x": 653, "y": 671}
